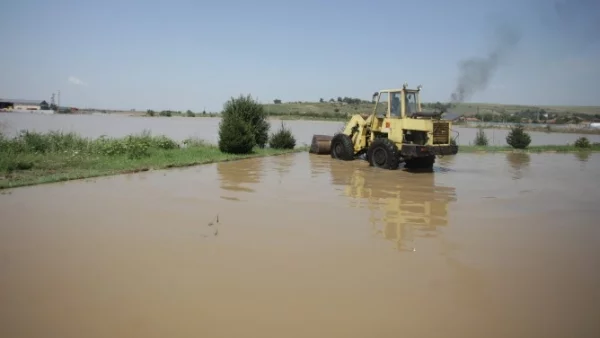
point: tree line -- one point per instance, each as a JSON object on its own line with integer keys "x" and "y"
{"x": 339, "y": 99}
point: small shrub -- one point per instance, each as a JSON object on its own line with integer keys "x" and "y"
{"x": 194, "y": 142}
{"x": 481, "y": 139}
{"x": 282, "y": 139}
{"x": 252, "y": 114}
{"x": 110, "y": 147}
{"x": 34, "y": 142}
{"x": 163, "y": 142}
{"x": 134, "y": 146}
{"x": 190, "y": 113}
{"x": 137, "y": 147}
{"x": 582, "y": 142}
{"x": 10, "y": 165}
{"x": 235, "y": 135}
{"x": 518, "y": 138}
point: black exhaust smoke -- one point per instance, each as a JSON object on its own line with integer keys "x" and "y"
{"x": 475, "y": 73}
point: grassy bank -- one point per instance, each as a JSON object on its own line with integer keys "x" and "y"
{"x": 35, "y": 158}
{"x": 531, "y": 149}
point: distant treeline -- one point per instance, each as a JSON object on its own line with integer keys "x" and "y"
{"x": 336, "y": 114}
{"x": 535, "y": 116}
{"x": 491, "y": 113}
{"x": 188, "y": 113}
{"x": 345, "y": 99}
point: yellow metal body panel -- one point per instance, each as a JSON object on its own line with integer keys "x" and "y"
{"x": 398, "y": 126}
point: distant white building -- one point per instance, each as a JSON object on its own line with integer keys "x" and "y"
{"x": 10, "y": 104}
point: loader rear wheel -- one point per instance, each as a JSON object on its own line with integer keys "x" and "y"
{"x": 384, "y": 154}
{"x": 342, "y": 148}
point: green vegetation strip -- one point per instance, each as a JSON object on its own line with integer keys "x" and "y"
{"x": 531, "y": 149}
{"x": 34, "y": 158}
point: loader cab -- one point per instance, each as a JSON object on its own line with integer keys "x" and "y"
{"x": 397, "y": 103}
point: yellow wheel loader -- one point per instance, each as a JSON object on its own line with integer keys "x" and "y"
{"x": 397, "y": 131}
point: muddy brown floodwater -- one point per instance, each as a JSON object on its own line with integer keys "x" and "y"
{"x": 496, "y": 245}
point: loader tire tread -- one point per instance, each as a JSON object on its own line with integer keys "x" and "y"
{"x": 390, "y": 152}
{"x": 342, "y": 147}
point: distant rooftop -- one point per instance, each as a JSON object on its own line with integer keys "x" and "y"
{"x": 22, "y": 101}
{"x": 450, "y": 116}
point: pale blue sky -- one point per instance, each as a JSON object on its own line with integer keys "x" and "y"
{"x": 195, "y": 54}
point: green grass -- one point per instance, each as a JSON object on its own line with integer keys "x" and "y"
{"x": 34, "y": 158}
{"x": 316, "y": 110}
{"x": 531, "y": 149}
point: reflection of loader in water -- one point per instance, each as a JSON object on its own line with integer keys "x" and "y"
{"x": 402, "y": 208}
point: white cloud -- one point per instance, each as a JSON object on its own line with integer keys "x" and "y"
{"x": 76, "y": 81}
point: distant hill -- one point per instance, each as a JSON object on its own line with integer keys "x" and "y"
{"x": 470, "y": 109}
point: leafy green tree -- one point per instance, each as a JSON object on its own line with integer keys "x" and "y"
{"x": 518, "y": 138}
{"x": 235, "y": 135}
{"x": 252, "y": 113}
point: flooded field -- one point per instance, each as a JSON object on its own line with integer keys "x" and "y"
{"x": 180, "y": 128}
{"x": 498, "y": 245}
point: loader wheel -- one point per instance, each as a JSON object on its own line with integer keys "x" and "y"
{"x": 342, "y": 148}
{"x": 383, "y": 153}
{"x": 420, "y": 162}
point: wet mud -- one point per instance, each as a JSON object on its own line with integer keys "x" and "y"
{"x": 488, "y": 245}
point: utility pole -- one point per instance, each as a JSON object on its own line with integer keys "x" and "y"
{"x": 58, "y": 105}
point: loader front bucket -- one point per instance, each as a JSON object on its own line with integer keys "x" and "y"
{"x": 321, "y": 144}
